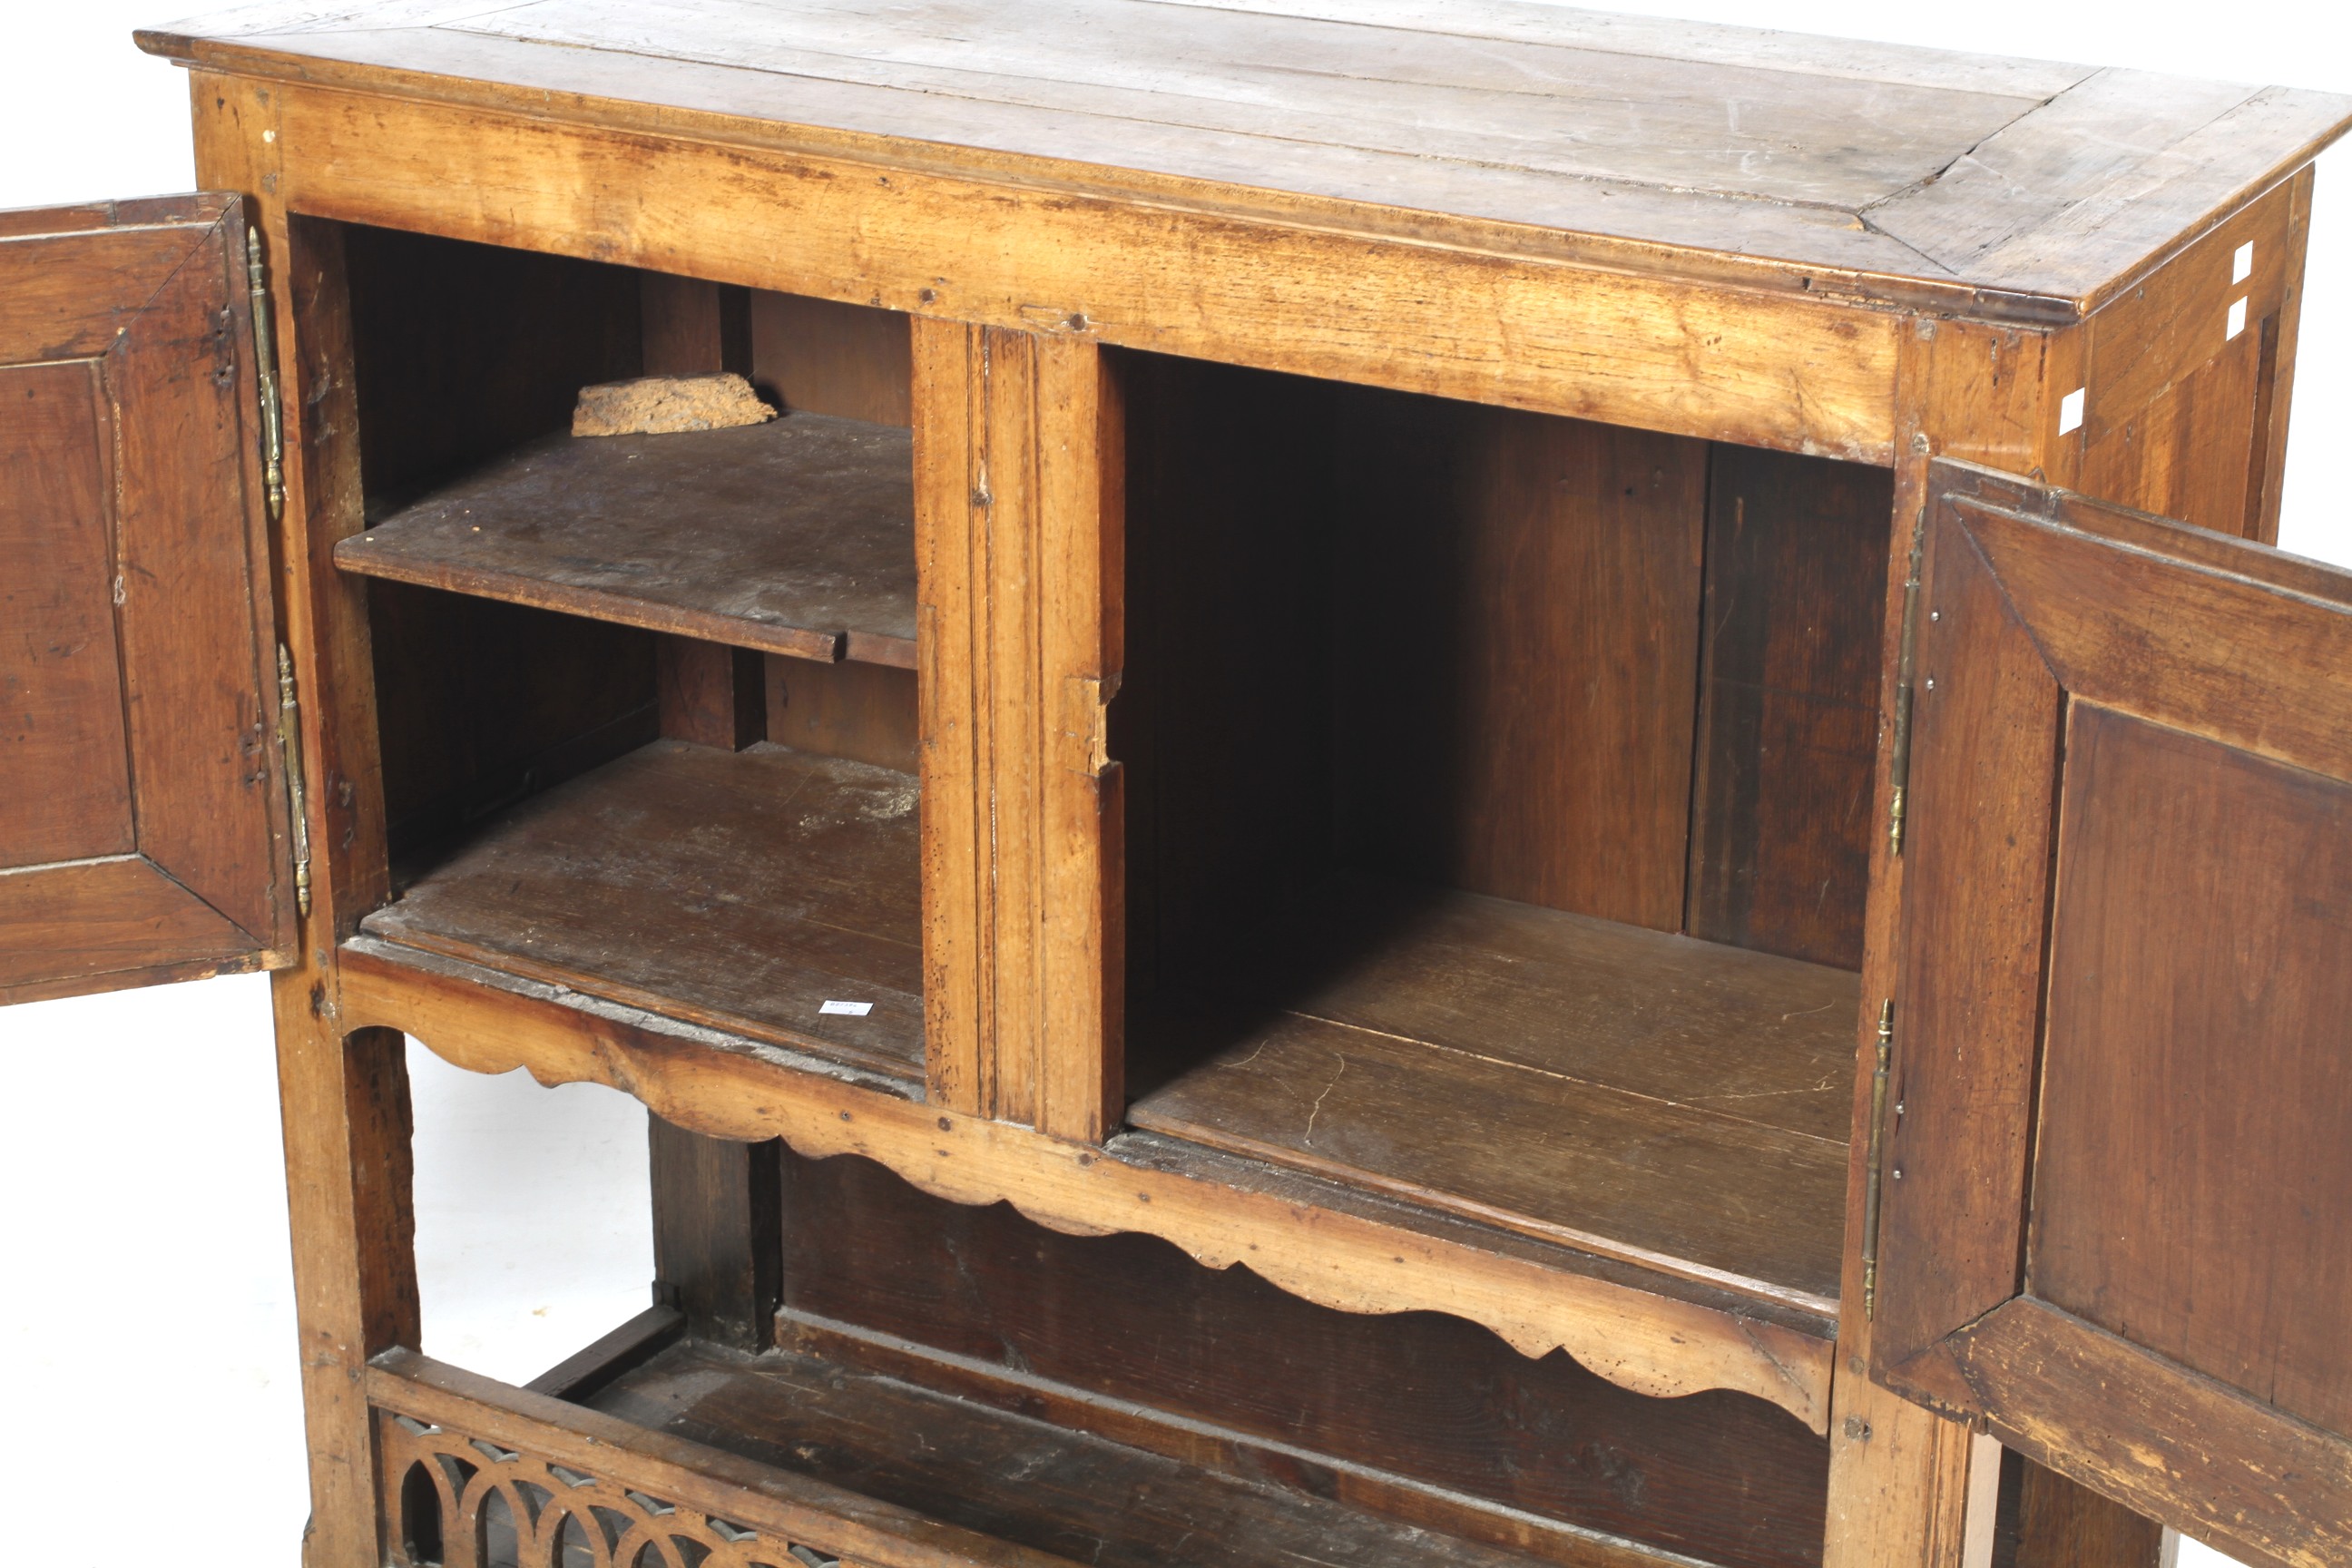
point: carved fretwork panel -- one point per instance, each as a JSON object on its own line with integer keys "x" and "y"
{"x": 459, "y": 1501}
{"x": 473, "y": 1473}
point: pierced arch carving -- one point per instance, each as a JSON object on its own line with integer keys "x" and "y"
{"x": 498, "y": 1508}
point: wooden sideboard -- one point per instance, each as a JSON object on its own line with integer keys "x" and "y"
{"x": 1569, "y": 808}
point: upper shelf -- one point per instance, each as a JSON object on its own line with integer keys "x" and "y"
{"x": 1913, "y": 172}
{"x": 794, "y": 537}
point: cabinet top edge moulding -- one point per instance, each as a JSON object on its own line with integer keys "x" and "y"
{"x": 2012, "y": 190}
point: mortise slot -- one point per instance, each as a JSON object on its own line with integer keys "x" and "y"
{"x": 2237, "y": 317}
{"x": 2242, "y": 265}
{"x": 2070, "y": 412}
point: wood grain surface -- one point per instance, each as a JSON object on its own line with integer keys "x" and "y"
{"x": 740, "y": 889}
{"x": 69, "y": 761}
{"x": 793, "y": 537}
{"x": 774, "y": 1503}
{"x": 1781, "y": 825}
{"x": 1419, "y": 1416}
{"x": 2114, "y": 1175}
{"x": 1885, "y": 166}
{"x": 1651, "y": 1332}
{"x": 1012, "y": 1477}
{"x": 1515, "y": 628}
{"x": 2165, "y": 1160}
{"x": 1639, "y": 1095}
{"x": 1795, "y": 368}
{"x": 144, "y": 827}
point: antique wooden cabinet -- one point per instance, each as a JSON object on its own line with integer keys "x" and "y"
{"x": 1469, "y": 783}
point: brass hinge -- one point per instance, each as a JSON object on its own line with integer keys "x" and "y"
{"x": 289, "y": 738}
{"x": 1899, "y": 754}
{"x": 1870, "y": 1194}
{"x": 264, "y": 365}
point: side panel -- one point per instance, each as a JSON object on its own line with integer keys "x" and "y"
{"x": 143, "y": 825}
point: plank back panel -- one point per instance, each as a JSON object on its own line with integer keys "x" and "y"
{"x": 826, "y": 356}
{"x": 1516, "y": 644}
{"x": 865, "y": 712}
{"x": 1442, "y": 1417}
{"x": 463, "y": 351}
{"x": 1787, "y": 724}
{"x": 482, "y": 704}
{"x": 1218, "y": 725}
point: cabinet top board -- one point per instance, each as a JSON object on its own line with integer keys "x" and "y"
{"x": 2008, "y": 188}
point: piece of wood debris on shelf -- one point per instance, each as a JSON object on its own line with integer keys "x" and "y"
{"x": 662, "y": 405}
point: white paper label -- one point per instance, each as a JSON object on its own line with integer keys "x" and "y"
{"x": 848, "y": 1009}
{"x": 2070, "y": 411}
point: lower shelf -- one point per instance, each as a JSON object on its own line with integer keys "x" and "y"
{"x": 1646, "y": 1329}
{"x": 1675, "y": 1103}
{"x": 707, "y": 1456}
{"x": 739, "y": 891}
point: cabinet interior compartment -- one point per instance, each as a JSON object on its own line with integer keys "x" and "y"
{"x": 645, "y": 703}
{"x": 1498, "y": 811}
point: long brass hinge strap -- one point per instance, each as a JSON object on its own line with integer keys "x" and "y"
{"x": 264, "y": 365}
{"x": 1899, "y": 755}
{"x": 290, "y": 740}
{"x": 1870, "y": 1193}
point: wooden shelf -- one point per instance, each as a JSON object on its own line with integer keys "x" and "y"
{"x": 739, "y": 891}
{"x": 793, "y": 537}
{"x": 967, "y": 1456}
{"x": 1332, "y": 1242}
{"x": 1673, "y": 1103}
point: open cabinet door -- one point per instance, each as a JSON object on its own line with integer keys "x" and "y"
{"x": 143, "y": 820}
{"x": 2116, "y": 1169}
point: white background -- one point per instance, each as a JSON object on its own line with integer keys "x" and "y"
{"x": 146, "y": 1305}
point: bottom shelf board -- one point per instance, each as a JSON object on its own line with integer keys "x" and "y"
{"x": 739, "y": 891}
{"x": 1069, "y": 1493}
{"x": 1675, "y": 1103}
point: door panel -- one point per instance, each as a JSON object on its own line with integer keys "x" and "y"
{"x": 2116, "y": 1223}
{"x": 142, "y": 811}
{"x": 69, "y": 790}
{"x": 2171, "y": 1205}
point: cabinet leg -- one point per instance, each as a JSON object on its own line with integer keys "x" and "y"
{"x": 348, "y": 1167}
{"x": 1898, "y": 1481}
{"x": 717, "y": 1233}
{"x": 2048, "y": 1522}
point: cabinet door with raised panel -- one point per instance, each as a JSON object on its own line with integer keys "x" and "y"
{"x": 2114, "y": 1167}
{"x": 143, "y": 821}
